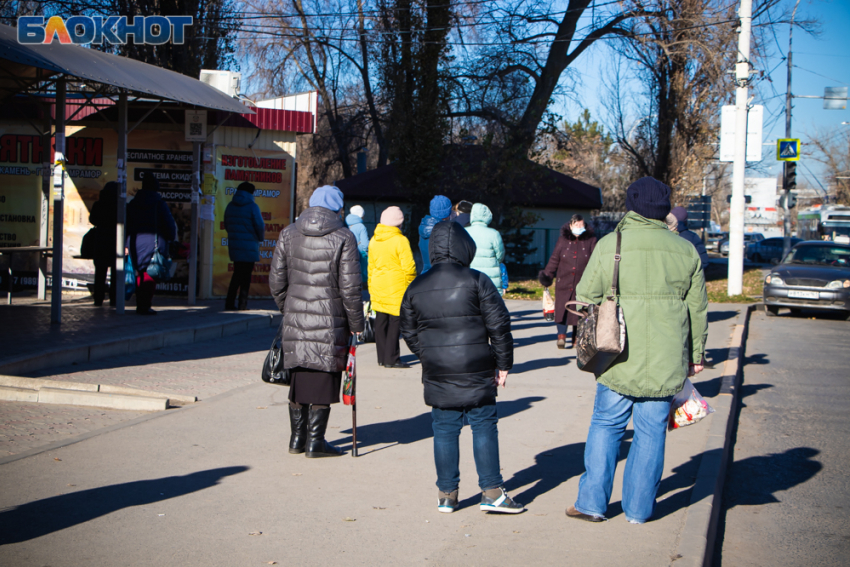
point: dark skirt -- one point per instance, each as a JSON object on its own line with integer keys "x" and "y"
{"x": 314, "y": 387}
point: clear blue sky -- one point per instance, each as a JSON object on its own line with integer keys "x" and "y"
{"x": 820, "y": 61}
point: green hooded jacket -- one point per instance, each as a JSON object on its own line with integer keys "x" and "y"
{"x": 662, "y": 293}
{"x": 490, "y": 250}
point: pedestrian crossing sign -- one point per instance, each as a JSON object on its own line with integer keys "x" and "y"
{"x": 788, "y": 149}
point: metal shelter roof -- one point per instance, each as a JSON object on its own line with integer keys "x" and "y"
{"x": 24, "y": 65}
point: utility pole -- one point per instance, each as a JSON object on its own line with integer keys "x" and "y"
{"x": 735, "y": 284}
{"x": 789, "y": 168}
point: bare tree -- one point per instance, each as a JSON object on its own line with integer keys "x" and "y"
{"x": 833, "y": 151}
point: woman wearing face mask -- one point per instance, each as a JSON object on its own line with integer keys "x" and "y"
{"x": 566, "y": 266}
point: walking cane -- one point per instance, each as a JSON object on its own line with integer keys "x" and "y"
{"x": 349, "y": 390}
{"x": 354, "y": 426}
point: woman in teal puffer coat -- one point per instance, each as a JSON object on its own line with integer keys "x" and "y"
{"x": 490, "y": 250}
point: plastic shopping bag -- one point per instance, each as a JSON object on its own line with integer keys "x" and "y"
{"x": 688, "y": 407}
{"x": 349, "y": 377}
{"x": 548, "y": 305}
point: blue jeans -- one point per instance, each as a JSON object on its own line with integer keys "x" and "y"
{"x": 485, "y": 445}
{"x": 645, "y": 463}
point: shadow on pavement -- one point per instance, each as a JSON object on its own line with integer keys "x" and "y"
{"x": 541, "y": 363}
{"x": 534, "y": 325}
{"x": 711, "y": 388}
{"x": 418, "y": 428}
{"x": 533, "y": 340}
{"x": 756, "y": 479}
{"x": 42, "y": 517}
{"x": 525, "y": 314}
{"x": 715, "y": 316}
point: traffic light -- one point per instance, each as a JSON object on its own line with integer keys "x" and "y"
{"x": 790, "y": 176}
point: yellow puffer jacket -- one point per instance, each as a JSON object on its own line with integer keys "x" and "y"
{"x": 391, "y": 268}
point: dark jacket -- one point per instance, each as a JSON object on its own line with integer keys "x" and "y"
{"x": 694, "y": 239}
{"x": 425, "y": 228}
{"x": 104, "y": 215}
{"x": 454, "y": 320}
{"x": 315, "y": 281}
{"x": 148, "y": 216}
{"x": 463, "y": 219}
{"x": 245, "y": 228}
{"x": 567, "y": 264}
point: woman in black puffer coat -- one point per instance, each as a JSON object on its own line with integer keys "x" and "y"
{"x": 454, "y": 320}
{"x": 315, "y": 281}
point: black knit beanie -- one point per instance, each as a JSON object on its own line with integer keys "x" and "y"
{"x": 247, "y": 187}
{"x": 649, "y": 198}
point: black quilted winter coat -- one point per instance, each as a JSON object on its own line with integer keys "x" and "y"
{"x": 454, "y": 320}
{"x": 315, "y": 281}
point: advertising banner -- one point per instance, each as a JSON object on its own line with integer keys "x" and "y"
{"x": 271, "y": 174}
{"x": 21, "y": 157}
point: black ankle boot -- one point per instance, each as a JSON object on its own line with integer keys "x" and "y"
{"x": 298, "y": 425}
{"x": 316, "y": 444}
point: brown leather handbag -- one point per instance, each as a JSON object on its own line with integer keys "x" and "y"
{"x": 601, "y": 333}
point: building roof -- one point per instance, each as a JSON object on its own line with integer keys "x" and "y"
{"x": 22, "y": 66}
{"x": 538, "y": 186}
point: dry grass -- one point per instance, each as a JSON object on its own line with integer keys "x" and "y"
{"x": 717, "y": 281}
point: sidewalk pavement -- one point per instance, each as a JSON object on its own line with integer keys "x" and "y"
{"x": 30, "y": 342}
{"x": 213, "y": 484}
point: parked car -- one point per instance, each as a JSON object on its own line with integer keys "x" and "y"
{"x": 713, "y": 240}
{"x": 768, "y": 250}
{"x": 815, "y": 275}
{"x": 749, "y": 238}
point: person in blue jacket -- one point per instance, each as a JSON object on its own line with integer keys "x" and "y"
{"x": 440, "y": 209}
{"x": 150, "y": 227}
{"x": 245, "y": 229}
{"x": 354, "y": 221}
{"x": 681, "y": 214}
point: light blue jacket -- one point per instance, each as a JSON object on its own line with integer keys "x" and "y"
{"x": 356, "y": 226}
{"x": 425, "y": 228}
{"x": 245, "y": 228}
{"x": 490, "y": 251}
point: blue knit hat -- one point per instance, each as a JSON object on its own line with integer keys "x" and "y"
{"x": 327, "y": 196}
{"x": 441, "y": 207}
{"x": 649, "y": 198}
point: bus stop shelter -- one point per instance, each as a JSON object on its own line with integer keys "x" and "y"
{"x": 83, "y": 80}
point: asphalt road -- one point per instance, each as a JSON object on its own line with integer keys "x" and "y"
{"x": 787, "y": 499}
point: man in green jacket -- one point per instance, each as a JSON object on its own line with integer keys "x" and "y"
{"x": 662, "y": 293}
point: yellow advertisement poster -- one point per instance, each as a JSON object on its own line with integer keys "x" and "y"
{"x": 21, "y": 157}
{"x": 271, "y": 174}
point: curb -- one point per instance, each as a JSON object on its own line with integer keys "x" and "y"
{"x": 696, "y": 542}
{"x": 138, "y": 343}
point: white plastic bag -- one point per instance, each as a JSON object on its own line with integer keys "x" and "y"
{"x": 687, "y": 408}
{"x": 548, "y": 305}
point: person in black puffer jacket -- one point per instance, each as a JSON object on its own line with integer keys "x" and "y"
{"x": 454, "y": 320}
{"x": 315, "y": 281}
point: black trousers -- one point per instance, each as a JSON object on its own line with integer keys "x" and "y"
{"x": 387, "y": 334}
{"x": 240, "y": 282}
{"x": 100, "y": 267}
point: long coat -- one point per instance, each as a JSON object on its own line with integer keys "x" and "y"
{"x": 454, "y": 320}
{"x": 662, "y": 293}
{"x": 149, "y": 225}
{"x": 245, "y": 228}
{"x": 567, "y": 264}
{"x": 315, "y": 282}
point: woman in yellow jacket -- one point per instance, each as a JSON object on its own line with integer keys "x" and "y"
{"x": 391, "y": 270}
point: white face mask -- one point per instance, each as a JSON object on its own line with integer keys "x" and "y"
{"x": 577, "y": 231}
